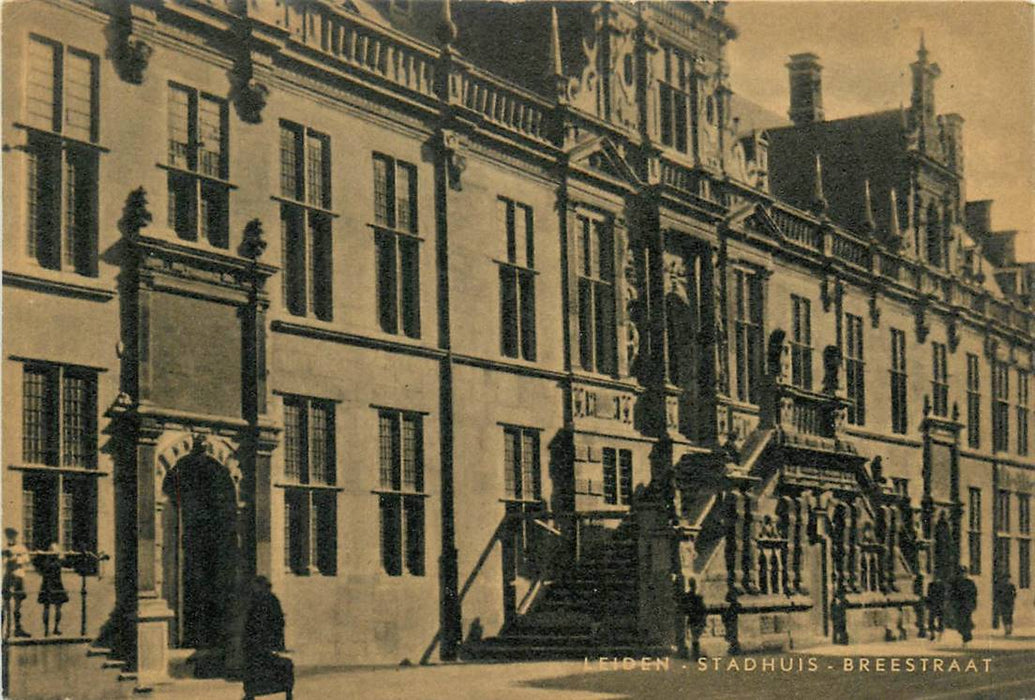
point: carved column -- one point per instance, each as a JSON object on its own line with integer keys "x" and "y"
{"x": 734, "y": 540}
{"x": 751, "y": 523}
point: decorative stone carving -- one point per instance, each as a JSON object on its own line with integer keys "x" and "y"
{"x": 456, "y": 163}
{"x": 633, "y": 306}
{"x": 831, "y": 369}
{"x": 923, "y": 325}
{"x": 254, "y": 243}
{"x": 135, "y": 214}
{"x": 129, "y": 56}
{"x": 874, "y": 309}
{"x": 777, "y": 358}
{"x": 249, "y": 98}
{"x": 953, "y": 333}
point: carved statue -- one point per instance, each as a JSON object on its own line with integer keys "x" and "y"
{"x": 777, "y": 357}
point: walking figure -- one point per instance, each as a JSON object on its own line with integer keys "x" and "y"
{"x": 696, "y": 618}
{"x": 1005, "y": 593}
{"x": 265, "y": 671}
{"x": 52, "y": 590}
{"x": 964, "y": 600}
{"x": 936, "y": 608}
{"x": 16, "y": 558}
{"x": 839, "y": 617}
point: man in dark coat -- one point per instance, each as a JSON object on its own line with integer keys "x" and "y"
{"x": 936, "y": 608}
{"x": 963, "y": 594}
{"x": 696, "y": 618}
{"x": 1004, "y": 595}
{"x": 265, "y": 671}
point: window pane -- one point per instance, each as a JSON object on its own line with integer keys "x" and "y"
{"x": 412, "y": 458}
{"x": 183, "y": 208}
{"x": 384, "y": 198}
{"x": 388, "y": 428}
{"x": 289, "y": 180}
{"x": 605, "y": 329}
{"x": 391, "y": 534}
{"x": 321, "y": 272}
{"x": 292, "y": 221}
{"x": 180, "y": 155}
{"x": 211, "y": 136}
{"x": 321, "y": 443}
{"x": 406, "y": 194}
{"x": 43, "y": 91}
{"x": 625, "y": 476}
{"x": 409, "y": 264}
{"x": 294, "y": 440}
{"x": 326, "y": 531}
{"x": 508, "y": 311}
{"x": 78, "y": 99}
{"x": 39, "y": 416}
{"x": 314, "y": 155}
{"x": 45, "y": 200}
{"x": 527, "y": 317}
{"x": 213, "y": 215}
{"x": 586, "y": 315}
{"x": 529, "y": 466}
{"x": 386, "y": 282}
{"x": 511, "y": 463}
{"x": 78, "y": 421}
{"x": 415, "y": 535}
{"x": 610, "y": 466}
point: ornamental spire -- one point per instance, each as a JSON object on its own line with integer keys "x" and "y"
{"x": 869, "y": 223}
{"x": 893, "y": 229}
{"x": 446, "y": 30}
{"x": 555, "y": 43}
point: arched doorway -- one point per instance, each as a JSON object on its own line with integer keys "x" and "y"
{"x": 201, "y": 551}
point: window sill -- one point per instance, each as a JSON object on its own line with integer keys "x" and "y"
{"x": 395, "y": 231}
{"x": 307, "y": 487}
{"x": 44, "y": 468}
{"x": 62, "y": 137}
{"x": 61, "y": 283}
{"x": 387, "y": 492}
{"x": 199, "y": 175}
{"x": 304, "y": 205}
{"x": 327, "y": 330}
{"x": 515, "y": 266}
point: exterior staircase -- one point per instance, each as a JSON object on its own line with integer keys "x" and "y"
{"x": 588, "y": 609}
{"x": 58, "y": 668}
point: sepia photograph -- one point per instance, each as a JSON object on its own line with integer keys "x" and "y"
{"x": 517, "y": 349}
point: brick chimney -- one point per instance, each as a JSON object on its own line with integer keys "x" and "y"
{"x": 806, "y": 89}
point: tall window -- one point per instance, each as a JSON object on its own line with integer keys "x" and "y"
{"x": 517, "y": 282}
{"x": 1002, "y": 531}
{"x": 940, "y": 380}
{"x": 305, "y": 221}
{"x": 61, "y": 157}
{"x": 747, "y": 292}
{"x": 398, "y": 246}
{"x": 198, "y": 166}
{"x": 855, "y": 370}
{"x": 801, "y": 342}
{"x": 899, "y": 411}
{"x": 1000, "y": 407}
{"x": 1024, "y": 540}
{"x": 974, "y": 530}
{"x": 310, "y": 493}
{"x": 617, "y": 476}
{"x": 973, "y": 401}
{"x": 59, "y": 457}
{"x": 1022, "y": 412}
{"x": 401, "y": 493}
{"x": 675, "y": 99}
{"x": 522, "y": 489}
{"x": 596, "y": 290}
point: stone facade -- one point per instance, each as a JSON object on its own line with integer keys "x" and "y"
{"x": 416, "y": 339}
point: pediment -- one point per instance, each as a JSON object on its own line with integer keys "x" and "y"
{"x": 600, "y": 155}
{"x": 754, "y": 218}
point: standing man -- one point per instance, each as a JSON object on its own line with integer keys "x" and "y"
{"x": 696, "y": 618}
{"x": 964, "y": 600}
{"x": 16, "y": 558}
{"x": 1004, "y": 595}
{"x": 936, "y": 608}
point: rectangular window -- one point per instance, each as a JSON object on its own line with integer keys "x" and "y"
{"x": 855, "y": 369}
{"x": 973, "y": 401}
{"x": 521, "y": 469}
{"x": 59, "y": 449}
{"x": 62, "y": 90}
{"x": 1002, "y": 515}
{"x": 305, "y": 222}
{"x": 198, "y": 166}
{"x": 401, "y": 492}
{"x": 940, "y": 379}
{"x": 517, "y": 282}
{"x": 618, "y": 479}
{"x": 674, "y": 100}
{"x": 310, "y": 496}
{"x": 1024, "y": 513}
{"x": 596, "y": 295}
{"x": 1000, "y": 407}
{"x": 1022, "y": 412}
{"x": 974, "y": 530}
{"x": 1024, "y": 563}
{"x": 397, "y": 244}
{"x": 899, "y": 410}
{"x": 748, "y": 334}
{"x": 801, "y": 342}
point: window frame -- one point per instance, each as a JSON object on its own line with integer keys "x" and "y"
{"x": 801, "y": 342}
{"x": 973, "y": 401}
{"x": 617, "y": 466}
{"x": 198, "y": 195}
{"x": 1023, "y": 416}
{"x": 748, "y": 320}
{"x": 855, "y": 369}
{"x": 676, "y": 101}
{"x": 397, "y": 247}
{"x": 596, "y": 293}
{"x": 939, "y": 379}
{"x": 1000, "y": 406}
{"x": 518, "y": 305}
{"x": 974, "y": 515}
{"x": 402, "y": 502}
{"x": 310, "y": 495}
{"x": 899, "y": 383}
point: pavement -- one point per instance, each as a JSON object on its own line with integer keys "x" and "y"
{"x": 991, "y": 666}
